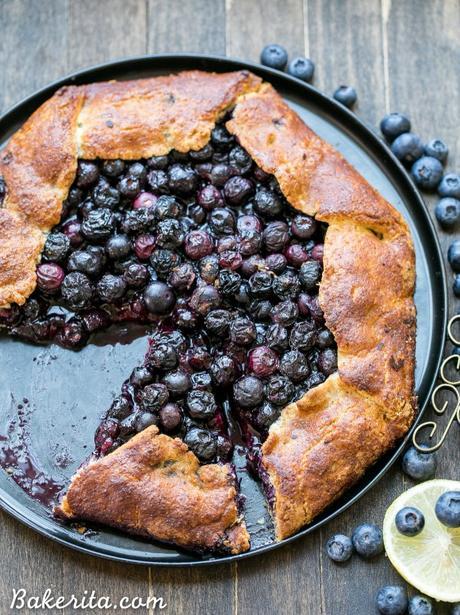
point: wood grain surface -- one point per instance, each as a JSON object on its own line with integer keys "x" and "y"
{"x": 400, "y": 55}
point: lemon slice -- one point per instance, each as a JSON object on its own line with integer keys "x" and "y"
{"x": 429, "y": 561}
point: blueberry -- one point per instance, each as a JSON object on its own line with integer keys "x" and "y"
{"x": 49, "y": 277}
{"x": 201, "y": 404}
{"x": 170, "y": 416}
{"x": 205, "y": 298}
{"x": 159, "y": 298}
{"x": 302, "y": 68}
{"x": 221, "y": 138}
{"x": 201, "y": 442}
{"x": 285, "y": 313}
{"x": 267, "y": 203}
{"x": 286, "y": 285}
{"x": 393, "y": 125}
{"x": 277, "y": 337}
{"x": 339, "y": 548}
{"x": 144, "y": 245}
{"x": 266, "y": 416}
{"x": 450, "y": 186}
{"x": 222, "y": 221}
{"x": 144, "y": 420}
{"x": 162, "y": 356}
{"x": 456, "y": 285}
{"x": 113, "y": 168}
{"x": 156, "y": 179}
{"x": 89, "y": 261}
{"x": 437, "y": 149}
{"x": 76, "y": 290}
{"x": 98, "y": 225}
{"x": 167, "y": 207}
{"x": 276, "y": 236}
{"x": 153, "y": 396}
{"x": 263, "y": 361}
{"x": 120, "y": 408}
{"x": 140, "y": 376}
{"x": 56, "y": 247}
{"x": 242, "y": 331}
{"x": 182, "y": 277}
{"x": 303, "y": 336}
{"x": 409, "y": 521}
{"x": 217, "y": 322}
{"x": 303, "y": 227}
{"x": 367, "y": 540}
{"x": 294, "y": 365}
{"x": 447, "y": 509}
{"x": 276, "y": 262}
{"x": 274, "y": 56}
{"x": 453, "y": 255}
{"x": 87, "y": 174}
{"x": 407, "y": 147}
{"x": 177, "y": 383}
{"x": 111, "y": 287}
{"x": 104, "y": 195}
{"x": 203, "y": 154}
{"x": 392, "y": 600}
{"x": 136, "y": 275}
{"x": 237, "y": 189}
{"x": 129, "y": 186}
{"x": 182, "y": 179}
{"x": 170, "y": 233}
{"x": 209, "y": 197}
{"x": 455, "y": 609}
{"x": 260, "y": 284}
{"x": 346, "y": 95}
{"x": 198, "y": 244}
{"x": 419, "y": 466}
{"x": 447, "y": 212}
{"x": 158, "y": 162}
{"x": 118, "y": 246}
{"x": 240, "y": 160}
{"x": 310, "y": 274}
{"x": 420, "y": 605}
{"x": 327, "y": 361}
{"x": 223, "y": 371}
{"x": 163, "y": 261}
{"x": 248, "y": 392}
{"x": 427, "y": 172}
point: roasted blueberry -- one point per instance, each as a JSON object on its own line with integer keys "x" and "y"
{"x": 76, "y": 290}
{"x": 203, "y": 154}
{"x": 209, "y": 197}
{"x": 294, "y": 365}
{"x": 260, "y": 284}
{"x": 240, "y": 160}
{"x": 163, "y": 261}
{"x": 327, "y": 361}
{"x": 111, "y": 287}
{"x": 205, "y": 298}
{"x": 72, "y": 229}
{"x": 170, "y": 233}
{"x": 427, "y": 172}
{"x": 201, "y": 442}
{"x": 263, "y": 361}
{"x": 87, "y": 174}
{"x": 248, "y": 391}
{"x": 223, "y": 371}
{"x": 222, "y": 221}
{"x": 49, "y": 277}
{"x": 141, "y": 376}
{"x": 310, "y": 274}
{"x": 237, "y": 189}
{"x": 182, "y": 179}
{"x": 56, "y": 247}
{"x": 182, "y": 277}
{"x": 367, "y": 540}
{"x": 136, "y": 275}
{"x": 170, "y": 417}
{"x": 267, "y": 203}
{"x": 113, "y": 168}
{"x": 162, "y": 356}
{"x": 229, "y": 282}
{"x": 242, "y": 331}
{"x": 279, "y": 390}
{"x": 274, "y": 56}
{"x": 104, "y": 195}
{"x": 346, "y": 95}
{"x": 303, "y": 336}
{"x": 177, "y": 382}
{"x": 159, "y": 298}
{"x": 286, "y": 285}
{"x": 120, "y": 408}
{"x": 98, "y": 225}
{"x": 144, "y": 245}
{"x": 118, "y": 246}
{"x": 303, "y": 227}
{"x": 217, "y": 322}
{"x": 201, "y": 404}
{"x": 221, "y": 139}
{"x": 450, "y": 186}
{"x": 209, "y": 268}
{"x": 153, "y": 397}
{"x": 198, "y": 244}
{"x": 393, "y": 125}
{"x": 339, "y": 548}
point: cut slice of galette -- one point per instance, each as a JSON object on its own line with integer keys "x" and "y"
{"x": 276, "y": 282}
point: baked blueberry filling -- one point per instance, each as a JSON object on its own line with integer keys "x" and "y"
{"x": 205, "y": 250}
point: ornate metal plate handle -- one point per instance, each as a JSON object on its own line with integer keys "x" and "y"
{"x": 450, "y": 386}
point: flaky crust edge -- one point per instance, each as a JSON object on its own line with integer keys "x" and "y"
{"x": 368, "y": 303}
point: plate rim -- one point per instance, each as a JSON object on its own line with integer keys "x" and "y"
{"x": 346, "y": 119}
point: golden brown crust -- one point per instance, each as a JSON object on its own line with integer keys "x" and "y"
{"x": 153, "y": 486}
{"x": 325, "y": 441}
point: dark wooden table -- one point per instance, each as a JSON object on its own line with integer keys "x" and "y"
{"x": 401, "y": 56}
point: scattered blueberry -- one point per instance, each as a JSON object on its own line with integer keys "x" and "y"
{"x": 417, "y": 465}
{"x": 274, "y": 56}
{"x": 455, "y": 609}
{"x": 456, "y": 285}
{"x": 302, "y": 68}
{"x": 450, "y": 186}
{"x": 437, "y": 149}
{"x": 339, "y": 548}
{"x": 346, "y": 95}
{"x": 447, "y": 212}
{"x": 393, "y": 125}
{"x": 420, "y": 605}
{"x": 453, "y": 255}
{"x": 407, "y": 147}
{"x": 447, "y": 509}
{"x": 409, "y": 521}
{"x": 367, "y": 540}
{"x": 392, "y": 600}
{"x": 427, "y": 172}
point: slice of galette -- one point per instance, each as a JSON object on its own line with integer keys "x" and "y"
{"x": 277, "y": 285}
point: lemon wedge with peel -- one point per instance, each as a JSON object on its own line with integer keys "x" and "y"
{"x": 429, "y": 561}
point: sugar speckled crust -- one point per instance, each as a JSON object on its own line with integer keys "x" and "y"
{"x": 325, "y": 441}
{"x": 153, "y": 486}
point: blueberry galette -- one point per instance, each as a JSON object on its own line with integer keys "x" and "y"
{"x": 276, "y": 284}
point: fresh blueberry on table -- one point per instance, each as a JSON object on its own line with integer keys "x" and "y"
{"x": 408, "y": 147}
{"x": 447, "y": 509}
{"x": 427, "y": 172}
{"x": 417, "y": 465}
{"x": 456, "y": 285}
{"x": 346, "y": 95}
{"x": 437, "y": 149}
{"x": 392, "y": 600}
{"x": 453, "y": 255}
{"x": 409, "y": 521}
{"x": 450, "y": 186}
{"x": 339, "y": 548}
{"x": 393, "y": 125}
{"x": 447, "y": 212}
{"x": 302, "y": 68}
{"x": 367, "y": 540}
{"x": 420, "y": 605}
{"x": 274, "y": 56}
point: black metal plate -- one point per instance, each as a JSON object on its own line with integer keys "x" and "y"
{"x": 66, "y": 392}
